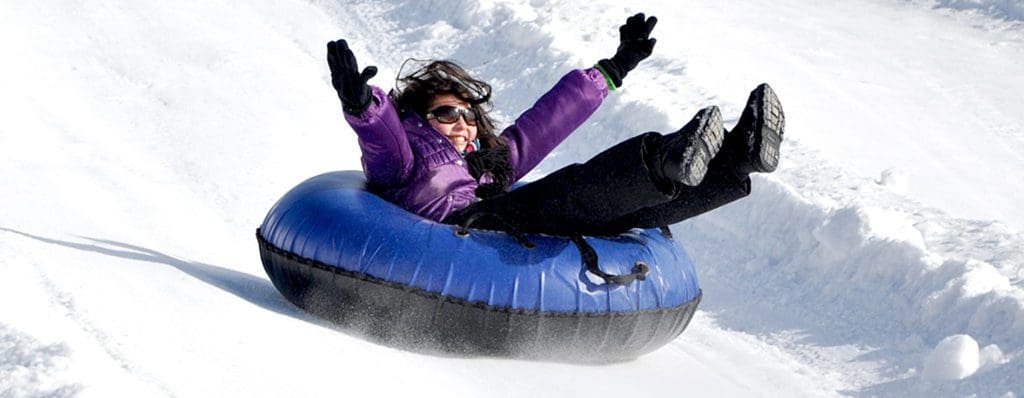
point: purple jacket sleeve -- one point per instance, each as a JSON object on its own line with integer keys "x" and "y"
{"x": 552, "y": 118}
{"x": 387, "y": 157}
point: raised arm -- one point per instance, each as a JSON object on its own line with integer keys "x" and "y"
{"x": 575, "y": 97}
{"x": 552, "y": 118}
{"x": 387, "y": 157}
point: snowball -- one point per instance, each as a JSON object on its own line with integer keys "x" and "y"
{"x": 955, "y": 357}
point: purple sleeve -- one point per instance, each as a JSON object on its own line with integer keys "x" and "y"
{"x": 552, "y": 118}
{"x": 387, "y": 157}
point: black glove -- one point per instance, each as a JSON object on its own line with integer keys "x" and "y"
{"x": 635, "y": 44}
{"x": 490, "y": 160}
{"x": 351, "y": 85}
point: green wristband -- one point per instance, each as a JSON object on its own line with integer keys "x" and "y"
{"x": 611, "y": 84}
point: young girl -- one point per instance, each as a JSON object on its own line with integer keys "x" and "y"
{"x": 430, "y": 147}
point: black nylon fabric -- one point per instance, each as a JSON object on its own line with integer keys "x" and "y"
{"x": 721, "y": 185}
{"x": 609, "y": 194}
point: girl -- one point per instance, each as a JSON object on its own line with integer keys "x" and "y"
{"x": 430, "y": 147}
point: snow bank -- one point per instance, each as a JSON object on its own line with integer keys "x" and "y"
{"x": 1008, "y": 9}
{"x": 863, "y": 266}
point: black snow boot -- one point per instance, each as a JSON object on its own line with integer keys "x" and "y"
{"x": 684, "y": 155}
{"x": 754, "y": 143}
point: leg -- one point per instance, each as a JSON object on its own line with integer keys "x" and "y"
{"x": 751, "y": 146}
{"x": 721, "y": 186}
{"x": 576, "y": 197}
{"x": 638, "y": 173}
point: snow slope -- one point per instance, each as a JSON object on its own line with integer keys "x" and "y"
{"x": 142, "y": 143}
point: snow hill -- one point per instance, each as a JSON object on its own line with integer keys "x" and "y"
{"x": 142, "y": 142}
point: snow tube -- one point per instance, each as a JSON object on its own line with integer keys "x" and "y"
{"x": 346, "y": 255}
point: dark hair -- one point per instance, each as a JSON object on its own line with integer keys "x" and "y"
{"x": 416, "y": 90}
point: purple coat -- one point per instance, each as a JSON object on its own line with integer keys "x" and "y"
{"x": 412, "y": 165}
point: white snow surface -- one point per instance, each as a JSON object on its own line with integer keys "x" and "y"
{"x": 142, "y": 142}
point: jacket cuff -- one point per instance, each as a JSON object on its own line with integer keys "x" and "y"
{"x": 611, "y": 73}
{"x": 372, "y": 111}
{"x": 595, "y": 76}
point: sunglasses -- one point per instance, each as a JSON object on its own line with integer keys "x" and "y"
{"x": 448, "y": 114}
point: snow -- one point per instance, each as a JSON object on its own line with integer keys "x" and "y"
{"x": 143, "y": 142}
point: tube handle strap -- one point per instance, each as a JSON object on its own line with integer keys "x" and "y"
{"x": 589, "y": 256}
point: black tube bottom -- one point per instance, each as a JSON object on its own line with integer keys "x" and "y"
{"x": 413, "y": 319}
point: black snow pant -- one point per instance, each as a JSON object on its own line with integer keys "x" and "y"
{"x": 609, "y": 194}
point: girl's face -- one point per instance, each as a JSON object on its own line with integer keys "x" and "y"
{"x": 459, "y": 133}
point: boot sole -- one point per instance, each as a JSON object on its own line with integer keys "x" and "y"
{"x": 767, "y": 136}
{"x": 709, "y": 135}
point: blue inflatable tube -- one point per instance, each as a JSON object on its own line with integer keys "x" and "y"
{"x": 346, "y": 255}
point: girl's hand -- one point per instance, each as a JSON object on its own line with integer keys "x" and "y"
{"x": 350, "y": 84}
{"x": 635, "y": 44}
{"x": 635, "y": 41}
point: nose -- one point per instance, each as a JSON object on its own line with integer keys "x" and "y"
{"x": 461, "y": 121}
